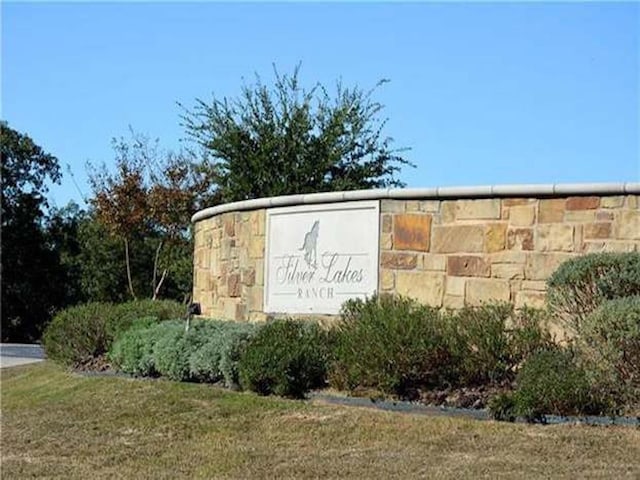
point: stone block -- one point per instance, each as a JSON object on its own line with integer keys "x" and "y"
{"x": 386, "y": 241}
{"x": 448, "y": 211}
{"x": 540, "y": 266}
{"x": 234, "y": 285}
{"x": 458, "y": 238}
{"x": 520, "y": 239}
{"x": 399, "y": 261}
{"x": 412, "y": 206}
{"x": 612, "y": 202}
{"x": 483, "y": 209}
{"x": 632, "y": 202}
{"x": 481, "y": 290}
{"x": 522, "y": 216}
{"x": 509, "y": 271}
{"x": 258, "y": 222}
{"x": 432, "y": 261}
{"x": 248, "y": 276}
{"x": 495, "y": 237}
{"x": 387, "y": 223}
{"x": 392, "y": 206}
{"x": 514, "y": 202}
{"x": 628, "y": 225}
{"x": 555, "y": 238}
{"x": 582, "y": 203}
{"x": 412, "y": 232}
{"x": 537, "y": 285}
{"x": 256, "y": 246}
{"x": 604, "y": 216}
{"x": 229, "y": 225}
{"x": 453, "y": 302}
{"x": 257, "y": 317}
{"x": 597, "y": 230}
{"x": 425, "y": 287}
{"x": 255, "y": 298}
{"x": 530, "y": 299}
{"x": 551, "y": 210}
{"x": 387, "y": 280}
{"x": 455, "y": 286}
{"x": 467, "y": 266}
{"x": 430, "y": 206}
{"x": 259, "y": 266}
{"x": 580, "y": 216}
{"x": 508, "y": 256}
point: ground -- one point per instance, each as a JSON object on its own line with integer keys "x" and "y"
{"x": 58, "y": 424}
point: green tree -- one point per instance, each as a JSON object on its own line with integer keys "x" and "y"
{"x": 285, "y": 140}
{"x": 31, "y": 286}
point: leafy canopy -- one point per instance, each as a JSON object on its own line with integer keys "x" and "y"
{"x": 285, "y": 140}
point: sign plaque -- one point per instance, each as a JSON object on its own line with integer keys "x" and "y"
{"x": 319, "y": 256}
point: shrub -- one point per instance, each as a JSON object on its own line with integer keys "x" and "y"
{"x": 217, "y": 359}
{"x": 79, "y": 334}
{"x": 286, "y": 358}
{"x": 610, "y": 347}
{"x": 581, "y": 284}
{"x": 133, "y": 351}
{"x": 502, "y": 407}
{"x": 551, "y": 382}
{"x": 389, "y": 343}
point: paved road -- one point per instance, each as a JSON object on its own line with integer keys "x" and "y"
{"x": 12, "y": 354}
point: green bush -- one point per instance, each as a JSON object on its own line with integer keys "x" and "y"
{"x": 286, "y": 358}
{"x": 217, "y": 358}
{"x": 581, "y": 284}
{"x": 610, "y": 347}
{"x": 79, "y": 334}
{"x": 389, "y": 343}
{"x": 551, "y": 382}
{"x": 133, "y": 351}
{"x": 208, "y": 352}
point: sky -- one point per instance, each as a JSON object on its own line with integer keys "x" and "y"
{"x": 481, "y": 93}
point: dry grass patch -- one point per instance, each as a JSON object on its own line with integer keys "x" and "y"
{"x": 57, "y": 424}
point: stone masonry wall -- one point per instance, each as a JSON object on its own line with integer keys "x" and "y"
{"x": 451, "y": 253}
{"x": 229, "y": 265}
{"x": 446, "y": 253}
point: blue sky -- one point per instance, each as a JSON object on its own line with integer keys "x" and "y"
{"x": 482, "y": 93}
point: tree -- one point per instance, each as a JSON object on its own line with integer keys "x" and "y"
{"x": 286, "y": 140}
{"x": 31, "y": 284}
{"x": 148, "y": 201}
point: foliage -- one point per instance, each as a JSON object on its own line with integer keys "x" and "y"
{"x": 581, "y": 284}
{"x": 286, "y": 358}
{"x": 79, "y": 334}
{"x": 489, "y": 342}
{"x": 285, "y": 139}
{"x": 610, "y": 348}
{"x": 148, "y": 200}
{"x": 32, "y": 281}
{"x": 552, "y": 382}
{"x": 390, "y": 343}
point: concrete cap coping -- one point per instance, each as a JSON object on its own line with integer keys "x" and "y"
{"x": 534, "y": 190}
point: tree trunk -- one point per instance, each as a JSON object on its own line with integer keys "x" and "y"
{"x": 156, "y": 288}
{"x": 126, "y": 257}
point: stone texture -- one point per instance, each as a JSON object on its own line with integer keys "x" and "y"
{"x": 582, "y": 203}
{"x": 455, "y": 286}
{"x": 522, "y": 216}
{"x": 580, "y": 216}
{"x": 392, "y": 206}
{"x": 530, "y": 299}
{"x": 520, "y": 239}
{"x": 432, "y": 261}
{"x": 612, "y": 202}
{"x": 448, "y": 211}
{"x": 387, "y": 280}
{"x": 508, "y": 271}
{"x": 412, "y": 232}
{"x": 597, "y": 230}
{"x": 467, "y": 266}
{"x": 386, "y": 241}
{"x": 230, "y": 226}
{"x": 537, "y": 285}
{"x": 480, "y": 290}
{"x": 453, "y": 302}
{"x": 495, "y": 237}
{"x": 426, "y": 287}
{"x": 628, "y": 225}
{"x": 256, "y": 247}
{"x": 540, "y": 266}
{"x": 551, "y": 210}
{"x": 399, "y": 261}
{"x": 430, "y": 206}
{"x": 458, "y": 238}
{"x": 485, "y": 209}
{"x": 508, "y": 256}
{"x": 513, "y": 202}
{"x": 604, "y": 216}
{"x": 387, "y": 223}
{"x": 555, "y": 238}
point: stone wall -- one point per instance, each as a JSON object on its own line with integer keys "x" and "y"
{"x": 443, "y": 252}
{"x": 453, "y": 253}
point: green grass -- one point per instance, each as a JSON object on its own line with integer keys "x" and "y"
{"x": 57, "y": 424}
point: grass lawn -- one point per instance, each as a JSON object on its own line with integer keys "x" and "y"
{"x": 61, "y": 425}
